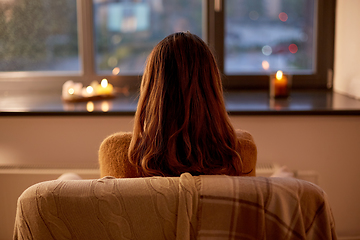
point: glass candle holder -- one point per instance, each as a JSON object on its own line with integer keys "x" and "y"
{"x": 280, "y": 85}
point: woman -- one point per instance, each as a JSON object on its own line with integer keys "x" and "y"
{"x": 181, "y": 124}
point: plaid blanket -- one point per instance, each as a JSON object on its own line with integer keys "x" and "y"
{"x": 262, "y": 208}
{"x": 181, "y": 208}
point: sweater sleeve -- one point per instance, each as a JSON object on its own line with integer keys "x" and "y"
{"x": 248, "y": 152}
{"x": 113, "y": 156}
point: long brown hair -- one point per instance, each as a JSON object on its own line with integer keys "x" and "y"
{"x": 181, "y": 124}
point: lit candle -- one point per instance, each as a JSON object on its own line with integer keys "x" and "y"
{"x": 105, "y": 88}
{"x": 279, "y": 85}
{"x": 88, "y": 91}
{"x": 71, "y": 90}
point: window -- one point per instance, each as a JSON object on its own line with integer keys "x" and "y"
{"x": 264, "y": 36}
{"x": 126, "y": 31}
{"x": 88, "y": 40}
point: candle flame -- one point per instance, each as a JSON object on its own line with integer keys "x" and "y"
{"x": 279, "y": 75}
{"x": 89, "y": 89}
{"x": 104, "y": 83}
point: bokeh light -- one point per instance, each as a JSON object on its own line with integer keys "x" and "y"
{"x": 105, "y": 106}
{"x": 116, "y": 39}
{"x": 90, "y": 106}
{"x": 266, "y": 50}
{"x": 112, "y": 61}
{"x": 265, "y": 65}
{"x": 293, "y": 48}
{"x": 116, "y": 71}
{"x": 283, "y": 16}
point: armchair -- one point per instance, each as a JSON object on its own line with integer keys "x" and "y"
{"x": 185, "y": 207}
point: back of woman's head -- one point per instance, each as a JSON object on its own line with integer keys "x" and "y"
{"x": 181, "y": 124}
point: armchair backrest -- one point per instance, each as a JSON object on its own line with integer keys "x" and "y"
{"x": 185, "y": 207}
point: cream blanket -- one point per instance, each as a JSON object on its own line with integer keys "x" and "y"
{"x": 185, "y": 207}
{"x": 108, "y": 208}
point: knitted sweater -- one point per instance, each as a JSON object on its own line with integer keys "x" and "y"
{"x": 113, "y": 155}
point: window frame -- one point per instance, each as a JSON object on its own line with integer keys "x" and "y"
{"x": 325, "y": 31}
{"x": 213, "y": 34}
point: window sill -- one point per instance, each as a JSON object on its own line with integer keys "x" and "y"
{"x": 313, "y": 102}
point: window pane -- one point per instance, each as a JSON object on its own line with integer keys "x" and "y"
{"x": 38, "y": 35}
{"x": 268, "y": 35}
{"x": 126, "y": 31}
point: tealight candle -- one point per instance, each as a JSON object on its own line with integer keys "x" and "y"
{"x": 88, "y": 91}
{"x": 279, "y": 85}
{"x": 105, "y": 88}
{"x": 71, "y": 90}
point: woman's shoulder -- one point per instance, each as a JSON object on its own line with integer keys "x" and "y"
{"x": 119, "y": 137}
{"x": 115, "y": 144}
{"x": 244, "y": 136}
{"x": 113, "y": 156}
{"x": 247, "y": 151}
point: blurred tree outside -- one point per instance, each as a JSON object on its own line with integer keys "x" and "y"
{"x": 36, "y": 32}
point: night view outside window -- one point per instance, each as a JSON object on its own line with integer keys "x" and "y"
{"x": 126, "y": 31}
{"x": 260, "y": 36}
{"x": 267, "y": 35}
{"x": 38, "y": 35}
